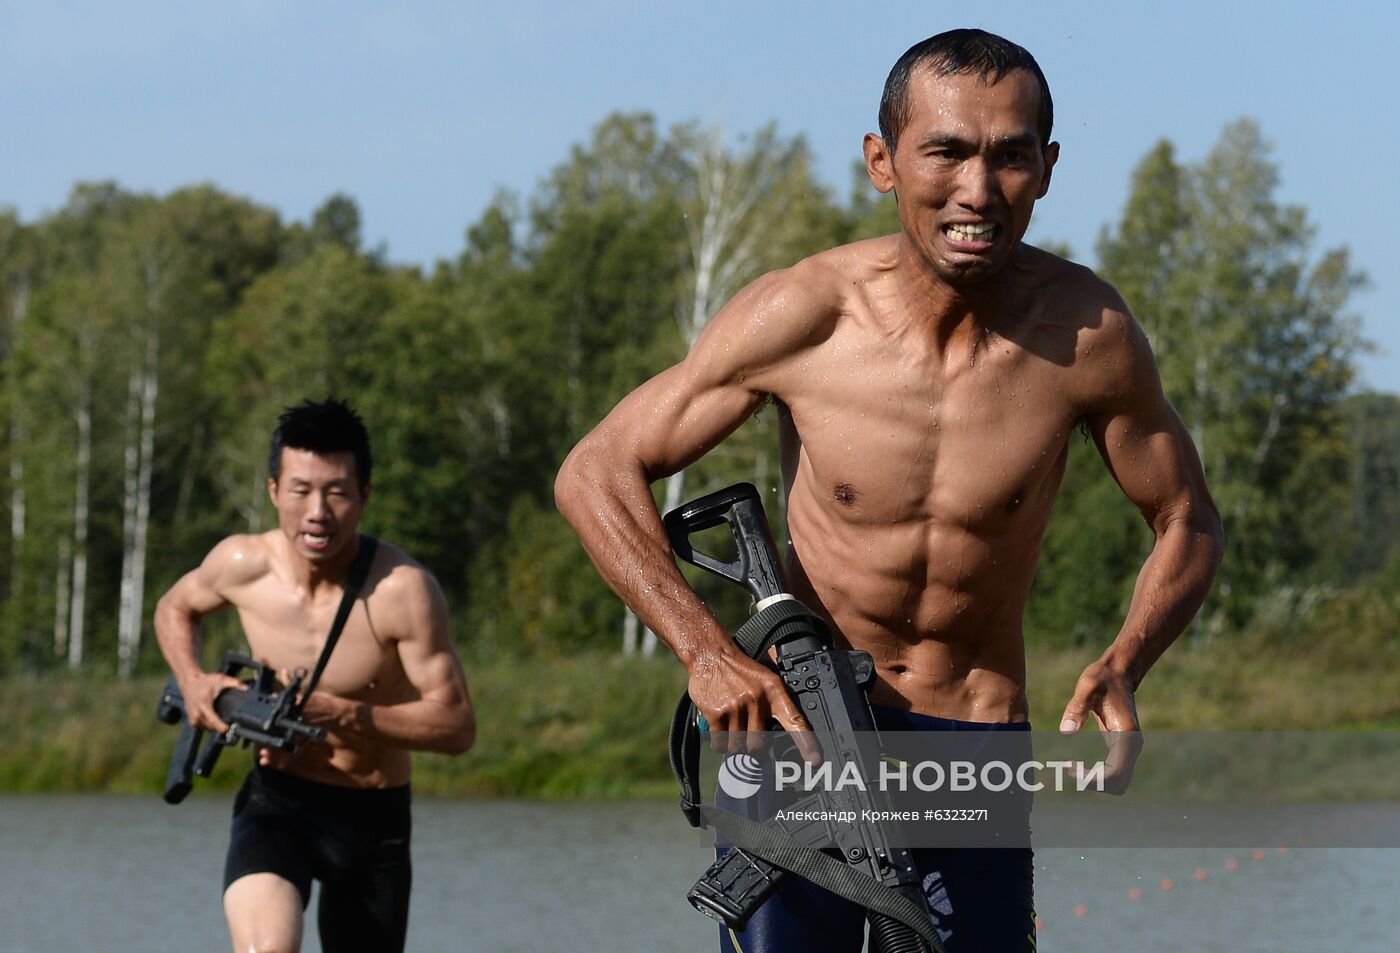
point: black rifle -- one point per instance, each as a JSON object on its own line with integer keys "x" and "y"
{"x": 263, "y": 713}
{"x": 829, "y": 687}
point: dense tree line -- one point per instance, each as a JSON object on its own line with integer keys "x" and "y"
{"x": 149, "y": 342}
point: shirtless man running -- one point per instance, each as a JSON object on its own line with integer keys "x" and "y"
{"x": 337, "y": 812}
{"x": 928, "y": 384}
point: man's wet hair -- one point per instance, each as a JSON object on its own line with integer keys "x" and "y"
{"x": 958, "y": 52}
{"x": 329, "y": 426}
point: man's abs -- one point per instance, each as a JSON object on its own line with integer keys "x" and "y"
{"x": 938, "y": 610}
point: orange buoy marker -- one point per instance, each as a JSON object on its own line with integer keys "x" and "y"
{"x": 1258, "y": 854}
{"x": 1201, "y": 873}
{"x": 1039, "y": 924}
{"x": 1232, "y": 864}
{"x": 1168, "y": 884}
{"x": 1080, "y": 910}
{"x": 1135, "y": 894}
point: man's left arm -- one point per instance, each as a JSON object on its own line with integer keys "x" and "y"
{"x": 1151, "y": 456}
{"x": 441, "y": 719}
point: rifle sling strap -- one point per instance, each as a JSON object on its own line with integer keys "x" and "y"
{"x": 354, "y": 582}
{"x": 824, "y": 870}
{"x": 756, "y": 636}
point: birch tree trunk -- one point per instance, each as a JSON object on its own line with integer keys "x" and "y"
{"x": 131, "y": 460}
{"x": 129, "y": 639}
{"x": 130, "y": 647}
{"x": 61, "y": 596}
{"x": 18, "y": 310}
{"x": 78, "y": 608}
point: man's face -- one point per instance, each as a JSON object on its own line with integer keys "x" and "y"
{"x": 319, "y": 501}
{"x": 968, "y": 170}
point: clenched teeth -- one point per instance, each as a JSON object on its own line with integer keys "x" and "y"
{"x": 971, "y": 232}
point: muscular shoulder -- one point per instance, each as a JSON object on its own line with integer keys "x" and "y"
{"x": 405, "y": 593}
{"x": 1110, "y": 358}
{"x": 1067, "y": 292}
{"x": 222, "y": 579}
{"x": 236, "y": 561}
{"x": 783, "y": 314}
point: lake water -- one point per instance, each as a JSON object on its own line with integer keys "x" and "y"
{"x": 115, "y": 873}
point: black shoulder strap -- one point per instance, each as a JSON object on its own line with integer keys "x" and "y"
{"x": 354, "y": 582}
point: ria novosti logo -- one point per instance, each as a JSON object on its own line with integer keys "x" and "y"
{"x": 950, "y": 776}
{"x": 740, "y": 776}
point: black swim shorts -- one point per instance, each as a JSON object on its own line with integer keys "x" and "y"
{"x": 355, "y": 841}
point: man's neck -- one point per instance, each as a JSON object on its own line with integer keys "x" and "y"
{"x": 944, "y": 310}
{"x": 311, "y": 576}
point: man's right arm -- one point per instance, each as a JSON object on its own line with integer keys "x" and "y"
{"x": 604, "y": 488}
{"x": 177, "y": 623}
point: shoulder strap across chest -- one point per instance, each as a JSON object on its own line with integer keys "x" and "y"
{"x": 354, "y": 582}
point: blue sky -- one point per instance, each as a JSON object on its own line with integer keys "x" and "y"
{"x": 421, "y": 111}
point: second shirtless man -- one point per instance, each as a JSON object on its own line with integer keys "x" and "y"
{"x": 337, "y": 812}
{"x": 928, "y": 384}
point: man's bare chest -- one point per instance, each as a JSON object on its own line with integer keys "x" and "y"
{"x": 291, "y": 633}
{"x": 889, "y": 442}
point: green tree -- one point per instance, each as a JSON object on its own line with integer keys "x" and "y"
{"x": 19, "y": 273}
{"x": 1256, "y": 350}
{"x": 629, "y": 248}
{"x": 567, "y": 321}
{"x": 603, "y": 261}
{"x": 335, "y": 222}
{"x": 66, "y": 361}
{"x": 748, "y": 209}
{"x": 181, "y": 262}
{"x": 123, "y": 294}
{"x": 1373, "y": 421}
{"x": 301, "y": 331}
{"x": 427, "y": 398}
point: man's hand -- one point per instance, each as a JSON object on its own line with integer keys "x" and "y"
{"x": 320, "y": 709}
{"x": 331, "y": 712}
{"x": 739, "y": 697}
{"x": 1109, "y": 695}
{"x": 282, "y": 760}
{"x": 199, "y": 694}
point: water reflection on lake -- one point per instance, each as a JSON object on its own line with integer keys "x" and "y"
{"x": 122, "y": 873}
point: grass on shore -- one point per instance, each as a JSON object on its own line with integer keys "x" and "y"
{"x": 594, "y": 725}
